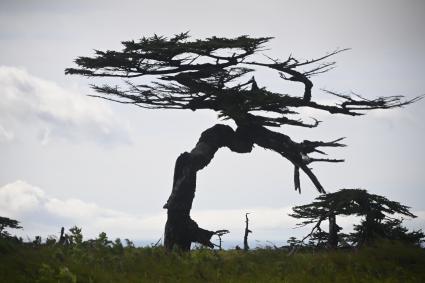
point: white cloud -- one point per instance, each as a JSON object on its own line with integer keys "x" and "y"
{"x": 31, "y": 104}
{"x": 41, "y": 214}
{"x": 19, "y": 197}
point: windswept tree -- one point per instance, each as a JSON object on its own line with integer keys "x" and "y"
{"x": 7, "y": 223}
{"x": 217, "y": 74}
{"x": 375, "y": 209}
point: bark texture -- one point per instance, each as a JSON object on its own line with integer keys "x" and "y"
{"x": 180, "y": 229}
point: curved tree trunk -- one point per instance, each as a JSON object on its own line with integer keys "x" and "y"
{"x": 180, "y": 229}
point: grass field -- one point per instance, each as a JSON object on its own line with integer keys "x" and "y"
{"x": 100, "y": 262}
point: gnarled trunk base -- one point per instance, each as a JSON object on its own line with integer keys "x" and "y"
{"x": 180, "y": 229}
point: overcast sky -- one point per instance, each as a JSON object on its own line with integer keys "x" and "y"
{"x": 68, "y": 159}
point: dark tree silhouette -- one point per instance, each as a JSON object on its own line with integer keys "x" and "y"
{"x": 247, "y": 231}
{"x": 219, "y": 234}
{"x": 64, "y": 238}
{"x": 374, "y": 208}
{"x": 388, "y": 228}
{"x": 7, "y": 223}
{"x": 176, "y": 73}
{"x": 293, "y": 241}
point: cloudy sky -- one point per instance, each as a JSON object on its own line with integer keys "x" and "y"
{"x": 68, "y": 159}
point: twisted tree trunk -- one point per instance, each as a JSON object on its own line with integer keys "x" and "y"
{"x": 180, "y": 229}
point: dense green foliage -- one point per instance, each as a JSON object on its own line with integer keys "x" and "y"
{"x": 104, "y": 261}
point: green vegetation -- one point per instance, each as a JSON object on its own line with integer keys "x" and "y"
{"x": 102, "y": 260}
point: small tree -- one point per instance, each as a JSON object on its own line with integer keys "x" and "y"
{"x": 388, "y": 228}
{"x": 103, "y": 241}
{"x": 76, "y": 236}
{"x": 357, "y": 202}
{"x": 246, "y": 233}
{"x": 7, "y": 223}
{"x": 219, "y": 234}
{"x": 212, "y": 74}
{"x": 293, "y": 241}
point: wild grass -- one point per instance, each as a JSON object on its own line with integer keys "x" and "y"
{"x": 45, "y": 263}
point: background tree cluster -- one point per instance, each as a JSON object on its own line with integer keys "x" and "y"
{"x": 377, "y": 219}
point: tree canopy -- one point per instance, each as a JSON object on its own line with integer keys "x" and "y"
{"x": 349, "y": 202}
{"x": 217, "y": 74}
